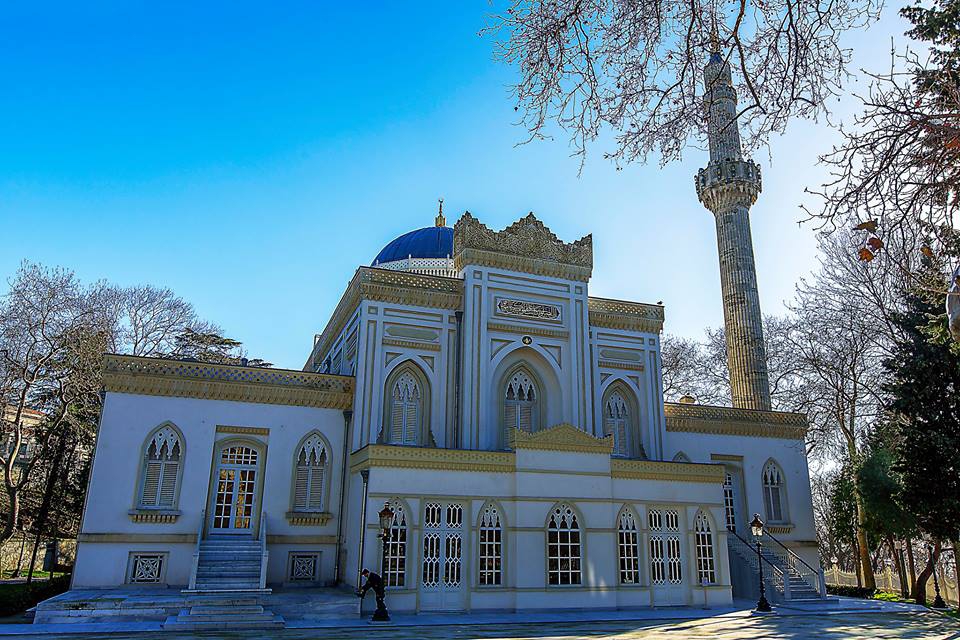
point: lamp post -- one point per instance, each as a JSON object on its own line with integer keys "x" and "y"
{"x": 386, "y": 523}
{"x": 756, "y": 527}
{"x": 938, "y": 602}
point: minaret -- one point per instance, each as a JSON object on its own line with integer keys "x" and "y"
{"x": 728, "y": 187}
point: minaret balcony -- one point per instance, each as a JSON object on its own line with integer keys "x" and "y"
{"x": 728, "y": 182}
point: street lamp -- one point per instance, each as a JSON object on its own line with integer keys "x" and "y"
{"x": 756, "y": 527}
{"x": 938, "y": 602}
{"x": 386, "y": 521}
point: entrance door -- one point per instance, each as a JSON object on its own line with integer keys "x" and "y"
{"x": 666, "y": 557}
{"x": 236, "y": 490}
{"x": 441, "y": 576}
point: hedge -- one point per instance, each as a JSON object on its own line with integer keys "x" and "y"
{"x": 850, "y": 591}
{"x": 17, "y": 597}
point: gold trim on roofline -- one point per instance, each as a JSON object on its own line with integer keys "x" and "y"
{"x": 563, "y": 437}
{"x": 182, "y": 379}
{"x": 381, "y": 455}
{"x": 667, "y": 471}
{"x": 730, "y": 421}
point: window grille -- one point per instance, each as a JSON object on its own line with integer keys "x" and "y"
{"x": 161, "y": 470}
{"x": 406, "y": 411}
{"x": 616, "y": 422}
{"x": 520, "y": 405}
{"x": 629, "y": 549}
{"x": 729, "y": 503}
{"x": 704, "y": 540}
{"x": 395, "y": 549}
{"x": 304, "y": 567}
{"x": 491, "y": 547}
{"x": 310, "y": 475}
{"x": 773, "y": 492}
{"x": 563, "y": 547}
{"x": 674, "y": 559}
{"x": 146, "y": 568}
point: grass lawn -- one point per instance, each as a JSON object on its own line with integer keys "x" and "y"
{"x": 17, "y": 597}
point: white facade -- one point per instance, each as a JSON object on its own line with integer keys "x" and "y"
{"x": 514, "y": 424}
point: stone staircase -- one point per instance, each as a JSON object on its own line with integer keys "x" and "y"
{"x": 229, "y": 564}
{"x": 219, "y": 613}
{"x": 787, "y": 577}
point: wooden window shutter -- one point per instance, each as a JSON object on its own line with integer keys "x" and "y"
{"x": 396, "y": 419}
{"x": 315, "y": 499}
{"x": 301, "y": 487}
{"x": 526, "y": 417}
{"x": 151, "y": 483}
{"x": 168, "y": 484}
{"x": 411, "y": 421}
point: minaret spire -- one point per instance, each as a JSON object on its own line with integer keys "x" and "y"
{"x": 728, "y": 187}
{"x": 440, "y": 220}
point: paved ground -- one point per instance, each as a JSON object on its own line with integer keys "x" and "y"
{"x": 731, "y": 626}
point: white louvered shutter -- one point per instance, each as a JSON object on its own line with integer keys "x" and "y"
{"x": 151, "y": 483}
{"x": 316, "y": 488}
{"x": 396, "y": 419}
{"x": 168, "y": 484}
{"x": 411, "y": 421}
{"x": 301, "y": 487}
{"x": 526, "y": 417}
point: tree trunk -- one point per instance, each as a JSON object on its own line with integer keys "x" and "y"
{"x": 956, "y": 571}
{"x": 869, "y": 581}
{"x": 33, "y": 558}
{"x": 23, "y": 543}
{"x": 898, "y": 561}
{"x": 43, "y": 515}
{"x": 913, "y": 567}
{"x": 920, "y": 588}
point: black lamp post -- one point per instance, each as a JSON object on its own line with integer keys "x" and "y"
{"x": 938, "y": 602}
{"x": 386, "y": 523}
{"x": 756, "y": 527}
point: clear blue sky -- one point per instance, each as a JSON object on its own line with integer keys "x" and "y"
{"x": 252, "y": 158}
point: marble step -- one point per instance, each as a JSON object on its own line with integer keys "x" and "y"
{"x": 212, "y": 609}
{"x": 174, "y": 623}
{"x": 223, "y": 585}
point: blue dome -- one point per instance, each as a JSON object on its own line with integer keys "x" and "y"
{"x": 429, "y": 242}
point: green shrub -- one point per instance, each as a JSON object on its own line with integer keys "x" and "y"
{"x": 849, "y": 591}
{"x": 18, "y": 597}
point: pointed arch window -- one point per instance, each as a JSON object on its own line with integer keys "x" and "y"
{"x": 406, "y": 409}
{"x": 616, "y": 422}
{"x": 310, "y": 475}
{"x": 394, "y": 560}
{"x": 774, "y": 495}
{"x": 563, "y": 546}
{"x": 161, "y": 469}
{"x": 628, "y": 547}
{"x": 729, "y": 503}
{"x": 490, "y": 538}
{"x": 520, "y": 404}
{"x": 706, "y": 572}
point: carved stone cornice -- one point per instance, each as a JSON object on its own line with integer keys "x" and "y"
{"x": 543, "y": 332}
{"x": 667, "y": 471}
{"x": 527, "y": 246}
{"x": 385, "y": 285}
{"x": 182, "y": 379}
{"x": 411, "y": 344}
{"x": 383, "y": 455}
{"x": 695, "y": 418}
{"x": 308, "y": 518}
{"x": 728, "y": 183}
{"x": 628, "y": 316}
{"x": 563, "y": 437}
{"x": 244, "y": 431}
{"x": 627, "y": 366}
{"x": 154, "y": 516}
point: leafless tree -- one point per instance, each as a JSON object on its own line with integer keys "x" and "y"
{"x": 632, "y": 66}
{"x": 148, "y": 320}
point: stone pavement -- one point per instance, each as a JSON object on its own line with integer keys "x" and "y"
{"x": 734, "y": 625}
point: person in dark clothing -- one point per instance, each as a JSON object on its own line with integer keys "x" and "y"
{"x": 374, "y": 582}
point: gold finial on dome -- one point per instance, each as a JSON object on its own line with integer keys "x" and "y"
{"x": 441, "y": 221}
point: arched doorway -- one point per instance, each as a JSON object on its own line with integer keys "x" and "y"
{"x": 236, "y": 489}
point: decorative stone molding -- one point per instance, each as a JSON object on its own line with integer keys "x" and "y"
{"x": 667, "y": 471}
{"x": 563, "y": 437}
{"x": 308, "y": 518}
{"x": 527, "y": 309}
{"x": 243, "y": 431}
{"x": 780, "y": 528}
{"x": 153, "y": 516}
{"x": 628, "y": 316}
{"x": 695, "y": 418}
{"x": 527, "y": 246}
{"x": 382, "y": 455}
{"x": 543, "y": 332}
{"x": 138, "y": 538}
{"x": 411, "y": 344}
{"x": 628, "y": 366}
{"x": 383, "y": 285}
{"x": 728, "y": 183}
{"x": 182, "y": 379}
{"x": 300, "y": 539}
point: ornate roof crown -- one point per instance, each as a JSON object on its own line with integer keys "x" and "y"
{"x": 526, "y": 245}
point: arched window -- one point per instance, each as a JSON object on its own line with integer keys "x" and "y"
{"x": 161, "y": 469}
{"x": 310, "y": 475}
{"x": 520, "y": 404}
{"x": 616, "y": 422}
{"x": 563, "y": 546}
{"x": 704, "y": 542}
{"x": 628, "y": 548}
{"x": 490, "y": 548}
{"x": 729, "y": 503}
{"x": 405, "y": 409}
{"x": 395, "y": 548}
{"x": 774, "y": 493}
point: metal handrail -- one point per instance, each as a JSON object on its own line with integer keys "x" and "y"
{"x": 753, "y": 548}
{"x": 264, "y": 554}
{"x": 793, "y": 555}
{"x": 196, "y": 551}
{"x": 777, "y": 574}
